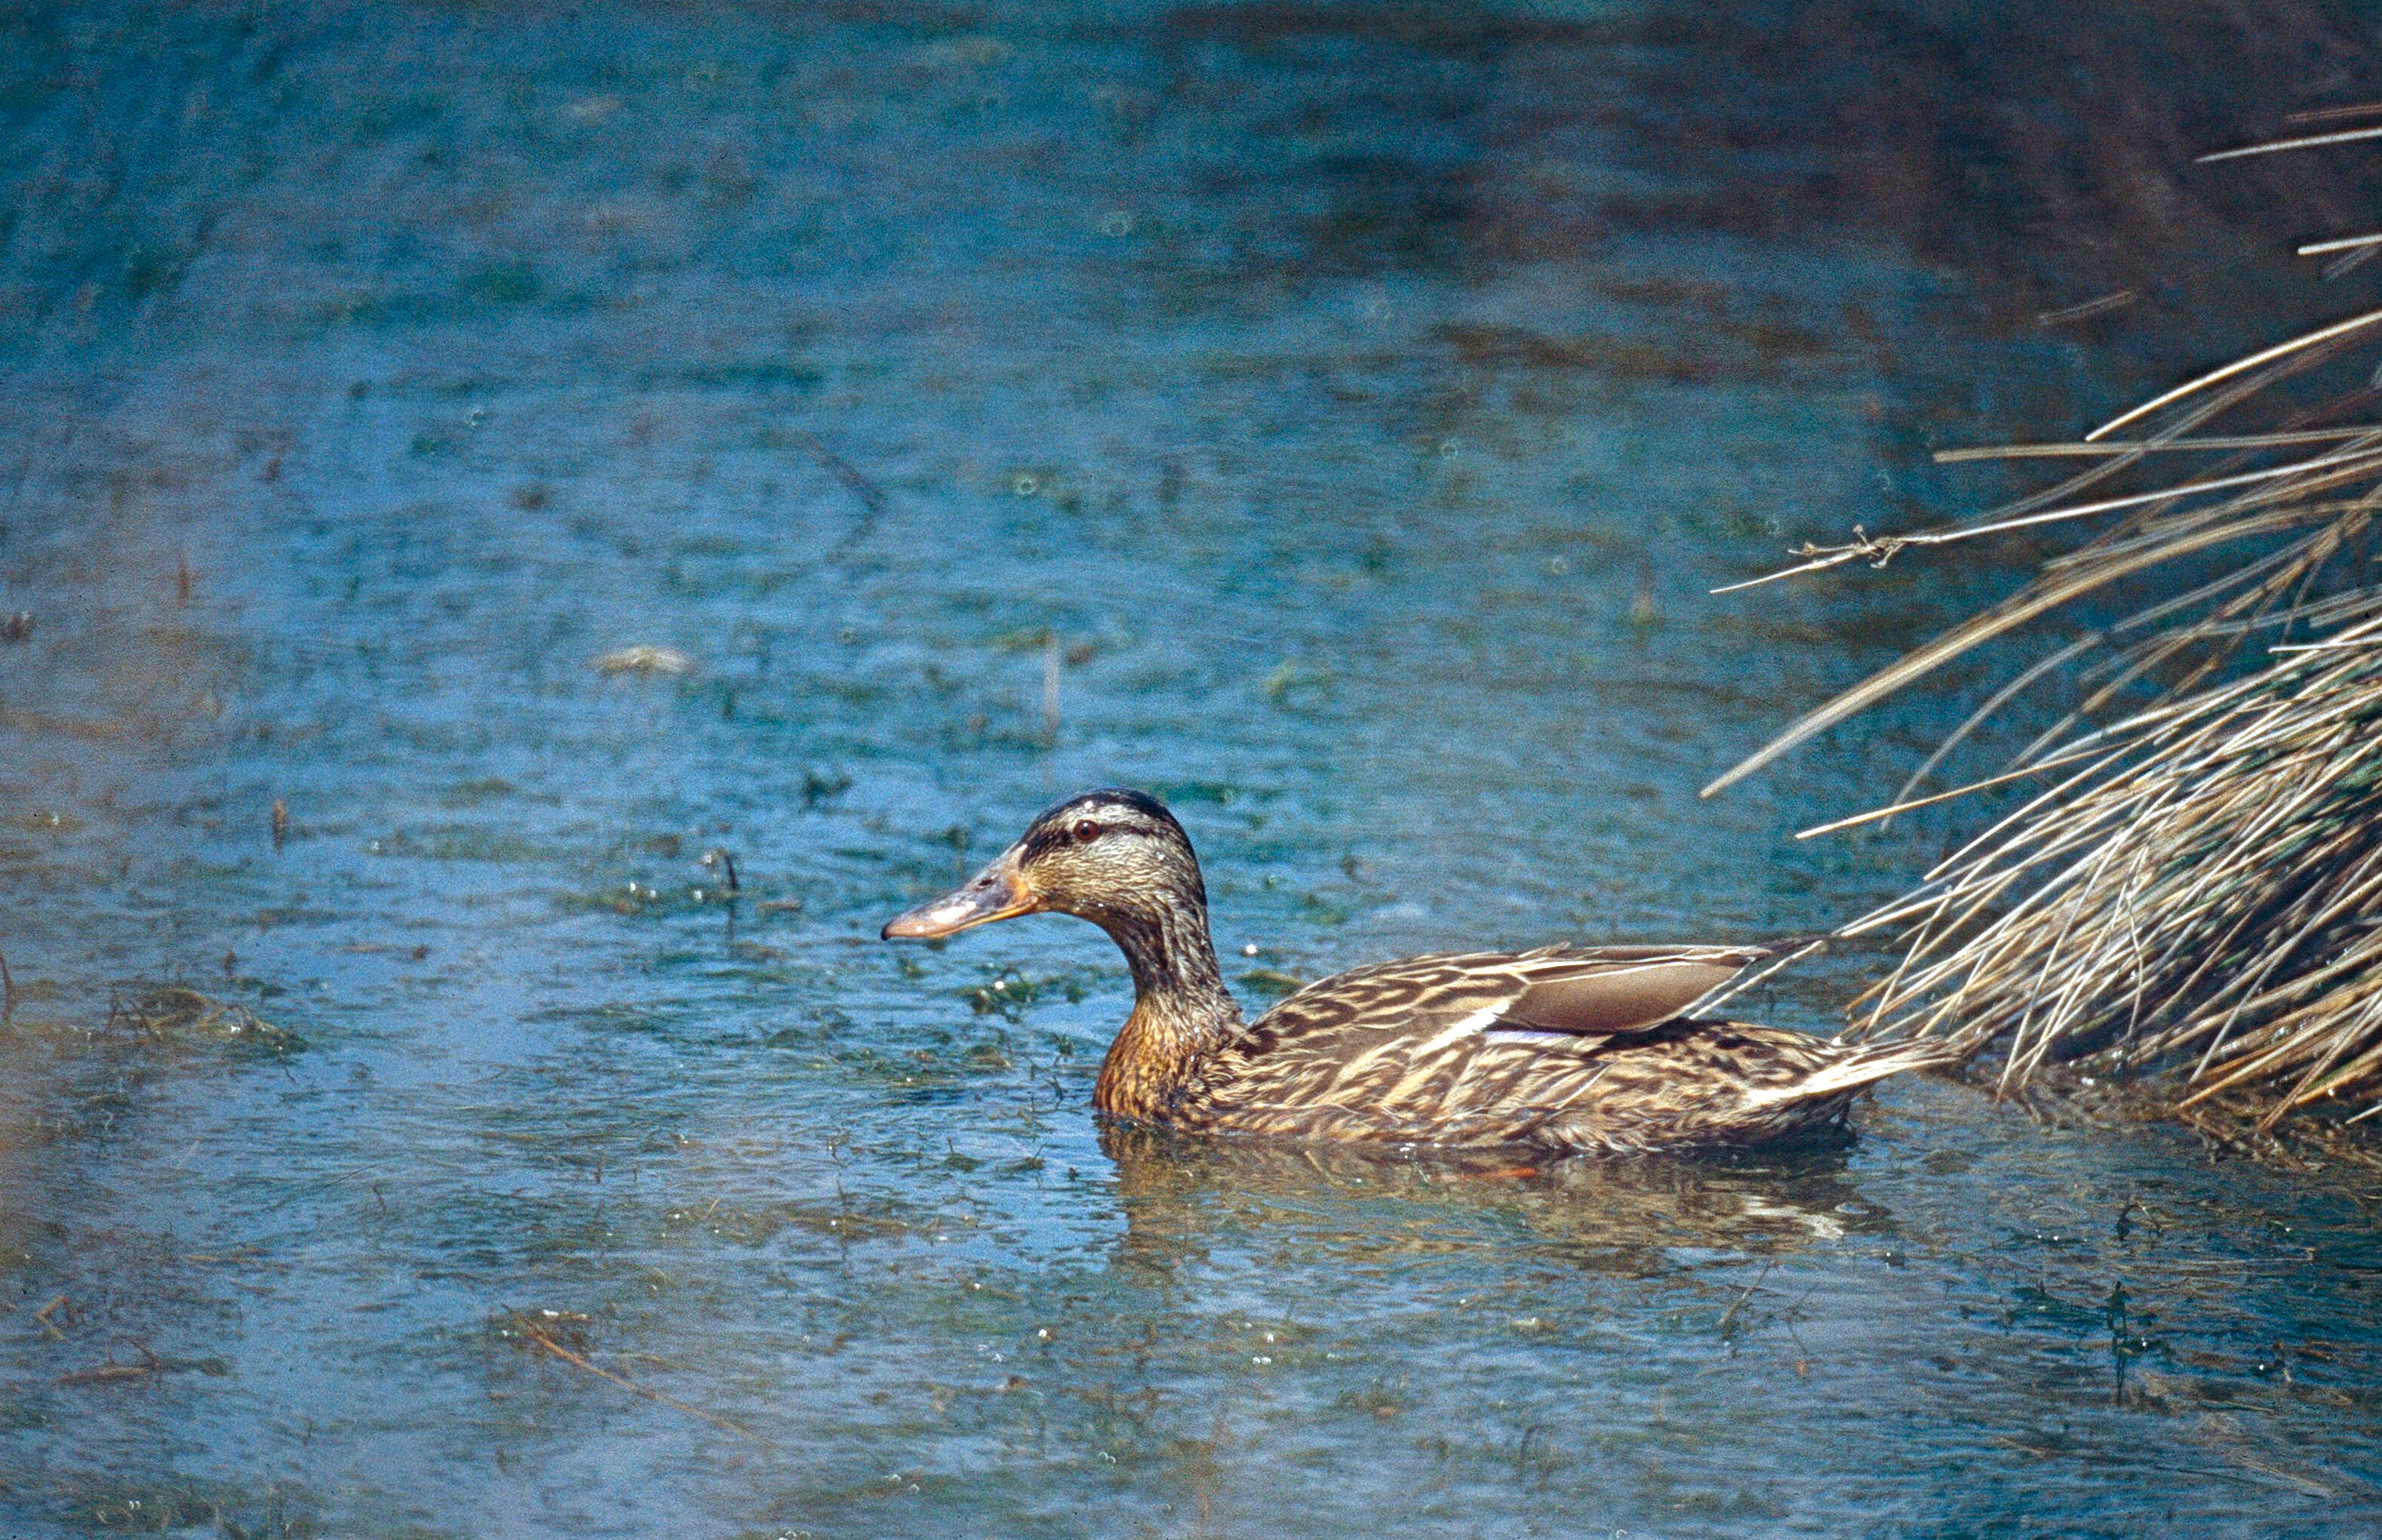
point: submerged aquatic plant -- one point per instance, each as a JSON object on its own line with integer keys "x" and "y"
{"x": 2196, "y": 893}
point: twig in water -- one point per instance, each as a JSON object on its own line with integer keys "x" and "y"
{"x": 726, "y": 864}
{"x": 2333, "y": 115}
{"x": 111, "y": 1371}
{"x": 538, "y": 1335}
{"x": 872, "y": 497}
{"x": 2309, "y": 141}
{"x": 1730, "y": 1315}
{"x": 2122, "y": 298}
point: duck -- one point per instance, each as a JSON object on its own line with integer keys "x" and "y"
{"x": 1563, "y": 1049}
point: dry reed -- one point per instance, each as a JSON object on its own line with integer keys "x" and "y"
{"x": 2195, "y": 891}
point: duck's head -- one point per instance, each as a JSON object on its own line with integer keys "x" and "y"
{"x": 1115, "y": 857}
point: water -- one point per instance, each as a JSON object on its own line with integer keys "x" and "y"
{"x": 371, "y": 373}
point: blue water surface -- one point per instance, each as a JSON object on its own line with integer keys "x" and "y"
{"x": 1261, "y": 405}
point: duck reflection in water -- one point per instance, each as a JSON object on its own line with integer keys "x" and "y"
{"x": 1621, "y": 1218}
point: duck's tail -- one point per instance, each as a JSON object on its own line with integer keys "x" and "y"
{"x": 1861, "y": 1065}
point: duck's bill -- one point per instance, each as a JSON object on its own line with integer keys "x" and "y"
{"x": 993, "y": 894}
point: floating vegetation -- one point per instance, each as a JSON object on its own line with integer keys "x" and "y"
{"x": 1291, "y": 682}
{"x": 113, "y": 1370}
{"x": 645, "y": 658}
{"x": 823, "y": 786}
{"x": 461, "y": 843}
{"x": 844, "y": 1220}
{"x": 178, "y": 1505}
{"x": 633, "y": 898}
{"x": 1008, "y": 994}
{"x": 1273, "y": 981}
{"x": 2190, "y": 893}
{"x": 1320, "y": 910}
{"x": 478, "y": 790}
{"x": 177, "y": 1015}
{"x": 562, "y": 1335}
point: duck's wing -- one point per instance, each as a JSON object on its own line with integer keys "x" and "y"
{"x": 1485, "y": 1047}
{"x": 1561, "y": 995}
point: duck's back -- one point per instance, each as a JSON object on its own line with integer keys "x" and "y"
{"x": 1578, "y": 1048}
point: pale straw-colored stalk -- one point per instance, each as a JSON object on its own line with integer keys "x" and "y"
{"x": 2195, "y": 890}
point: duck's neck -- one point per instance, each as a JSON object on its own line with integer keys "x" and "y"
{"x": 1180, "y": 1010}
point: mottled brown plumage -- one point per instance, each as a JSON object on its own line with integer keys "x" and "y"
{"x": 1589, "y": 1049}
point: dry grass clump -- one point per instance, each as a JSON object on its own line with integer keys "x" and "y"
{"x": 2197, "y": 890}
{"x": 2202, "y": 894}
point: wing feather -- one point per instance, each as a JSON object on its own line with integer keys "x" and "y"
{"x": 1561, "y": 998}
{"x": 1621, "y": 996}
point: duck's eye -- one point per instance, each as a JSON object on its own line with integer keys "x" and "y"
{"x": 1086, "y": 831}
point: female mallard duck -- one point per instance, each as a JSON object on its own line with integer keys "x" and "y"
{"x": 1568, "y": 1047}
